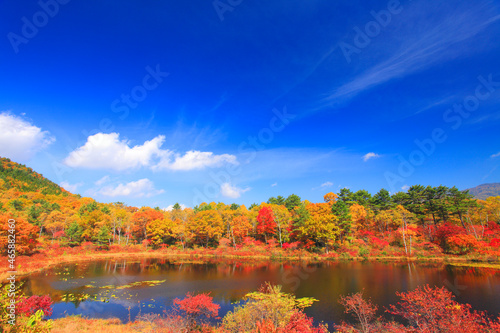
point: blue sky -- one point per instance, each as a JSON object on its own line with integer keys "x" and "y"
{"x": 156, "y": 102}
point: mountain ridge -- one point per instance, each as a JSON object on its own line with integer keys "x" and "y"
{"x": 485, "y": 191}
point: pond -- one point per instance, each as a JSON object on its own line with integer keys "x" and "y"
{"x": 125, "y": 288}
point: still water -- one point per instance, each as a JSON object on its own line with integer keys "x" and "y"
{"x": 125, "y": 288}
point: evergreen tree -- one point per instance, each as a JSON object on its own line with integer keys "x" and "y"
{"x": 341, "y": 211}
{"x": 292, "y": 201}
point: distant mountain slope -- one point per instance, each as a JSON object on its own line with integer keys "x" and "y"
{"x": 19, "y": 176}
{"x": 484, "y": 191}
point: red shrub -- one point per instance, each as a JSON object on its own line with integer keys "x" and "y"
{"x": 272, "y": 243}
{"x": 291, "y": 246}
{"x": 299, "y": 323}
{"x": 461, "y": 244}
{"x": 89, "y": 246}
{"x": 495, "y": 242}
{"x": 197, "y": 307}
{"x": 250, "y": 242}
{"x": 309, "y": 244}
{"x": 492, "y": 226}
{"x": 59, "y": 234}
{"x": 378, "y": 243}
{"x": 430, "y": 247}
{"x": 224, "y": 242}
{"x": 447, "y": 230}
{"x": 365, "y": 234}
{"x": 31, "y": 305}
{"x": 434, "y": 310}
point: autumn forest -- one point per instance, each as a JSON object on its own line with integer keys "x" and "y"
{"x": 425, "y": 220}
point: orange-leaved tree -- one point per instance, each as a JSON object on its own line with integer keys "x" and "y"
{"x": 24, "y": 234}
{"x": 141, "y": 219}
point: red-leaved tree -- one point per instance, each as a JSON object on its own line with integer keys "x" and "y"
{"x": 363, "y": 310}
{"x": 266, "y": 224}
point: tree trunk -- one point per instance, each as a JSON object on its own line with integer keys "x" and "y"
{"x": 232, "y": 235}
{"x": 114, "y": 229}
{"x": 471, "y": 225}
{"x": 410, "y": 245}
{"x": 281, "y": 242}
{"x": 404, "y": 241}
{"x": 462, "y": 220}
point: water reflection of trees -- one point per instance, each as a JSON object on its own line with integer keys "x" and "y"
{"x": 229, "y": 280}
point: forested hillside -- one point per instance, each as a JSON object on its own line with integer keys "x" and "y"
{"x": 425, "y": 218}
{"x": 22, "y": 178}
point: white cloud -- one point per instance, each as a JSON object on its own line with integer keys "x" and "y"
{"x": 231, "y": 191}
{"x": 195, "y": 160}
{"x": 71, "y": 188}
{"x": 275, "y": 184}
{"x": 19, "y": 139}
{"x": 101, "y": 181}
{"x": 141, "y": 188}
{"x": 368, "y": 156}
{"x": 169, "y": 208}
{"x": 405, "y": 188}
{"x": 495, "y": 155}
{"x": 107, "y": 151}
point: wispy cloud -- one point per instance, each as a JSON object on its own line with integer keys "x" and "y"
{"x": 140, "y": 188}
{"x": 434, "y": 41}
{"x": 231, "y": 191}
{"x": 324, "y": 185}
{"x": 71, "y": 187}
{"x": 495, "y": 155}
{"x": 275, "y": 184}
{"x": 102, "y": 180}
{"x": 370, "y": 155}
{"x": 442, "y": 101}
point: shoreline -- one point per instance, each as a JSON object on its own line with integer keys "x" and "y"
{"x": 73, "y": 258}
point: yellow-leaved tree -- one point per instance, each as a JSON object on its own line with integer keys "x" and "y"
{"x": 205, "y": 226}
